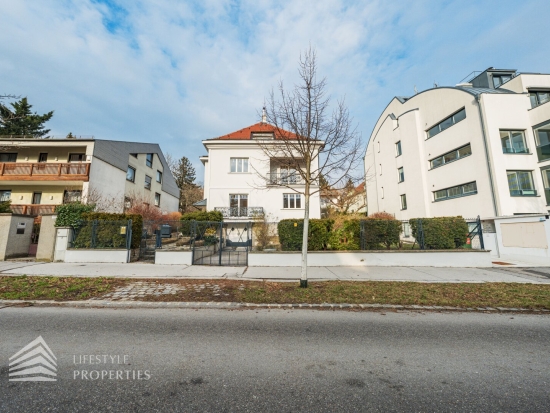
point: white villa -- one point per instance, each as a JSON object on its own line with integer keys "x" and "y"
{"x": 479, "y": 148}
{"x": 242, "y": 182}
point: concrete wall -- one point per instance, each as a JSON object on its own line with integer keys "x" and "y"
{"x": 91, "y": 256}
{"x": 465, "y": 258}
{"x": 173, "y": 257}
{"x": 12, "y": 243}
{"x": 46, "y": 239}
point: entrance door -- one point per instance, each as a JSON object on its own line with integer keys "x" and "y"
{"x": 36, "y": 198}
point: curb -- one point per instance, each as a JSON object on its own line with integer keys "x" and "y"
{"x": 234, "y": 305}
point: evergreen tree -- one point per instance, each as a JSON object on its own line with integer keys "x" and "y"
{"x": 185, "y": 176}
{"x": 21, "y": 121}
{"x": 184, "y": 172}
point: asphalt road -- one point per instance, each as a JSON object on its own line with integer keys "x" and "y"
{"x": 281, "y": 361}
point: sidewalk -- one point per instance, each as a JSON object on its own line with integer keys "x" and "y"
{"x": 417, "y": 274}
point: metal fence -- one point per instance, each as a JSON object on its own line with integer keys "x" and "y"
{"x": 101, "y": 234}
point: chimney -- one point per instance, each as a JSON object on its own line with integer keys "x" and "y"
{"x": 264, "y": 117}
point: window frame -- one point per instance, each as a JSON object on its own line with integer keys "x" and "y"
{"x": 509, "y": 132}
{"x": 447, "y": 153}
{"x": 150, "y": 182}
{"x": 450, "y": 117}
{"x": 403, "y": 197}
{"x": 400, "y": 175}
{"x": 293, "y": 198}
{"x": 242, "y": 164}
{"x": 66, "y": 194}
{"x": 133, "y": 180}
{"x": 159, "y": 177}
{"x": 398, "y": 149}
{"x": 3, "y": 192}
{"x": 149, "y": 159}
{"x": 157, "y": 196}
{"x": 544, "y": 126}
{"x": 9, "y": 154}
{"x": 535, "y": 94}
{"x": 460, "y": 195}
{"x": 514, "y": 192}
{"x": 81, "y": 155}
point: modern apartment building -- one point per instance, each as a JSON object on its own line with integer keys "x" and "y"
{"x": 242, "y": 181}
{"x": 478, "y": 148}
{"x": 38, "y": 174}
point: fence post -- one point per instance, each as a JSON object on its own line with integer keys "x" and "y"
{"x": 192, "y": 240}
{"x": 420, "y": 234}
{"x": 480, "y": 233}
{"x": 362, "y": 240}
{"x": 129, "y": 235}
{"x": 94, "y": 231}
{"x": 221, "y": 243}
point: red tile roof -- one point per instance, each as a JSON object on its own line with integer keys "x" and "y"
{"x": 246, "y": 133}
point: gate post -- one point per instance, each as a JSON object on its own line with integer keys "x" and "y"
{"x": 220, "y": 248}
{"x": 192, "y": 230}
{"x": 480, "y": 233}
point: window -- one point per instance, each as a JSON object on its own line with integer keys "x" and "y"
{"x": 43, "y": 157}
{"x": 520, "y": 183}
{"x": 454, "y": 155}
{"x": 77, "y": 157}
{"x": 292, "y": 201}
{"x": 149, "y": 160}
{"x": 8, "y": 157}
{"x": 36, "y": 198}
{"x": 238, "y": 205}
{"x": 289, "y": 175}
{"x": 403, "y": 201}
{"x": 239, "y": 165}
{"x": 513, "y": 141}
{"x": 447, "y": 123}
{"x": 147, "y": 182}
{"x": 159, "y": 176}
{"x": 398, "y": 149}
{"x": 500, "y": 80}
{"x": 546, "y": 181}
{"x": 157, "y": 199}
{"x": 539, "y": 97}
{"x": 400, "y": 175}
{"x": 131, "y": 174}
{"x": 72, "y": 196}
{"x": 456, "y": 191}
{"x": 542, "y": 139}
{"x": 5, "y": 195}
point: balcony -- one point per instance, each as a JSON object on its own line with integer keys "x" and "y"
{"x": 543, "y": 152}
{"x": 284, "y": 179}
{"x": 18, "y": 171}
{"x": 240, "y": 212}
{"x": 33, "y": 209}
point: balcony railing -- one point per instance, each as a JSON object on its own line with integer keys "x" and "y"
{"x": 44, "y": 171}
{"x": 284, "y": 179}
{"x": 543, "y": 152}
{"x": 240, "y": 212}
{"x": 33, "y": 209}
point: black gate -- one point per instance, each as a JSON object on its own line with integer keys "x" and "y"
{"x": 216, "y": 243}
{"x": 150, "y": 239}
{"x": 475, "y": 234}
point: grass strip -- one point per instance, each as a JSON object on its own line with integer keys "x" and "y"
{"x": 56, "y": 288}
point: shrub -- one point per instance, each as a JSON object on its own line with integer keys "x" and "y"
{"x": 70, "y": 215}
{"x": 137, "y": 223}
{"x": 441, "y": 232}
{"x": 381, "y": 233}
{"x": 345, "y": 235}
{"x": 5, "y": 206}
{"x": 107, "y": 235}
{"x": 291, "y": 234}
{"x": 381, "y": 215}
{"x": 214, "y": 216}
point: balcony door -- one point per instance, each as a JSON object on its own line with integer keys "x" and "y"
{"x": 289, "y": 175}
{"x": 238, "y": 205}
{"x": 36, "y": 198}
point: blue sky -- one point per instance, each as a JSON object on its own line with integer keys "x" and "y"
{"x": 177, "y": 72}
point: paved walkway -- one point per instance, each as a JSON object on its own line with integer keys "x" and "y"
{"x": 539, "y": 275}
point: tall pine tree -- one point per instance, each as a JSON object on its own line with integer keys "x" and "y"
{"x": 21, "y": 121}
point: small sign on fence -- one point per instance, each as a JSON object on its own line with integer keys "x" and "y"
{"x": 122, "y": 230}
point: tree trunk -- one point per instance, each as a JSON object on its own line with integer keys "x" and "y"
{"x": 303, "y": 273}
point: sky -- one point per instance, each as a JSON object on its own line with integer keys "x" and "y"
{"x": 177, "y": 72}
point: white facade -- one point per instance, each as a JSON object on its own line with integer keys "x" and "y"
{"x": 490, "y": 156}
{"x": 38, "y": 174}
{"x": 242, "y": 192}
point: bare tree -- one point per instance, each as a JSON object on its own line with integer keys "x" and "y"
{"x": 311, "y": 139}
{"x": 346, "y": 199}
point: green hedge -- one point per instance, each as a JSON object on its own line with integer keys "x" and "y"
{"x": 107, "y": 235}
{"x": 214, "y": 216}
{"x": 379, "y": 234}
{"x": 137, "y": 223}
{"x": 291, "y": 234}
{"x": 442, "y": 232}
{"x": 70, "y": 215}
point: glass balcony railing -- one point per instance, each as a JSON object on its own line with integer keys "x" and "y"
{"x": 543, "y": 152}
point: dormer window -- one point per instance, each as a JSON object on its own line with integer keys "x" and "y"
{"x": 262, "y": 135}
{"x": 500, "y": 80}
{"x": 538, "y": 97}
